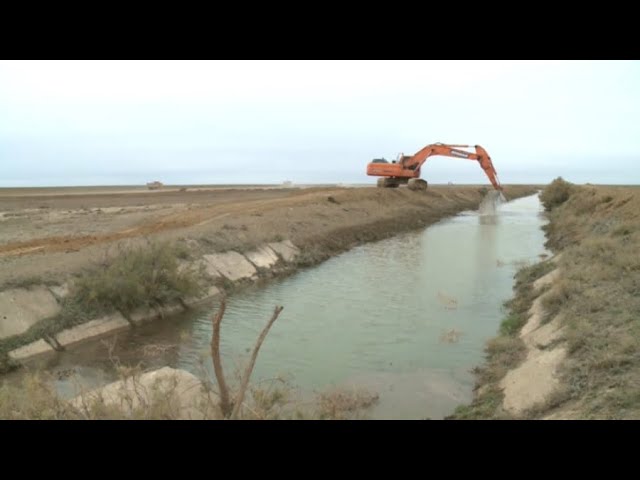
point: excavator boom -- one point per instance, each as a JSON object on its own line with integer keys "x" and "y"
{"x": 407, "y": 168}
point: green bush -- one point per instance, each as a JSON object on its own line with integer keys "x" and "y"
{"x": 512, "y": 324}
{"x": 145, "y": 276}
{"x": 556, "y": 193}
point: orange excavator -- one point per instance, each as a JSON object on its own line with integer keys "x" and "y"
{"x": 406, "y": 169}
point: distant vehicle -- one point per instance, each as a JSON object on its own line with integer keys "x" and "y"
{"x": 155, "y": 185}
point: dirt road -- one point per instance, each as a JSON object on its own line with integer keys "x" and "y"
{"x": 48, "y": 234}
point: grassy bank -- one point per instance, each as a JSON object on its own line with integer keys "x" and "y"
{"x": 505, "y": 351}
{"x": 595, "y": 301}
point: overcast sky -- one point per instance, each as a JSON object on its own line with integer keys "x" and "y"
{"x": 129, "y": 122}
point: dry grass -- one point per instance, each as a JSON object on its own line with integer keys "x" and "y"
{"x": 555, "y": 299}
{"x": 270, "y": 400}
{"x": 344, "y": 404}
{"x": 602, "y": 272}
{"x": 524, "y": 295}
{"x": 273, "y": 399}
{"x": 36, "y": 399}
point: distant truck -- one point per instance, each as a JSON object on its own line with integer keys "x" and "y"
{"x": 155, "y": 185}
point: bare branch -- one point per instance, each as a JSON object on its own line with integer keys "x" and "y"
{"x": 225, "y": 403}
{"x": 252, "y": 362}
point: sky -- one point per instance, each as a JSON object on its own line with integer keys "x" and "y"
{"x": 206, "y": 122}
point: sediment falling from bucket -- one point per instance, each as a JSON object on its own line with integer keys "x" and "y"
{"x": 490, "y": 203}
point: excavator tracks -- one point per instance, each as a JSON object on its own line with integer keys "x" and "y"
{"x": 417, "y": 184}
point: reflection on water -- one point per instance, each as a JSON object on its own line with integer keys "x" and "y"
{"x": 375, "y": 316}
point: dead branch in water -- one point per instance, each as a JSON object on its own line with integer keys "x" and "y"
{"x": 225, "y": 403}
{"x": 231, "y": 409}
{"x": 252, "y": 362}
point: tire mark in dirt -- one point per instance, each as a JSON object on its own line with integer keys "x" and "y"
{"x": 173, "y": 221}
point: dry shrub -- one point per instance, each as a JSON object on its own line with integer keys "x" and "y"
{"x": 343, "y": 404}
{"x": 269, "y": 400}
{"x": 556, "y": 193}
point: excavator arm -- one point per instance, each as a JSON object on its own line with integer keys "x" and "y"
{"x": 487, "y": 165}
{"x": 408, "y": 167}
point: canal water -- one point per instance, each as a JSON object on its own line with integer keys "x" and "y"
{"x": 405, "y": 318}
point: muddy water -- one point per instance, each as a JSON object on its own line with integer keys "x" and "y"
{"x": 405, "y": 317}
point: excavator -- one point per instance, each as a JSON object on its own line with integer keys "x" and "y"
{"x": 406, "y": 168}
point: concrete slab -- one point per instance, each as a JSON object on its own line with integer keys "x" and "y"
{"x": 60, "y": 291}
{"x": 287, "y": 250}
{"x": 231, "y": 265}
{"x": 168, "y": 310}
{"x": 143, "y": 315}
{"x": 208, "y": 295}
{"x": 94, "y": 329}
{"x": 263, "y": 257}
{"x": 533, "y": 381}
{"x": 21, "y": 308}
{"x": 34, "y": 349}
{"x": 208, "y": 268}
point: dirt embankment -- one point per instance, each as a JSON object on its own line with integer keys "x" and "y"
{"x": 570, "y": 346}
{"x": 49, "y": 237}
